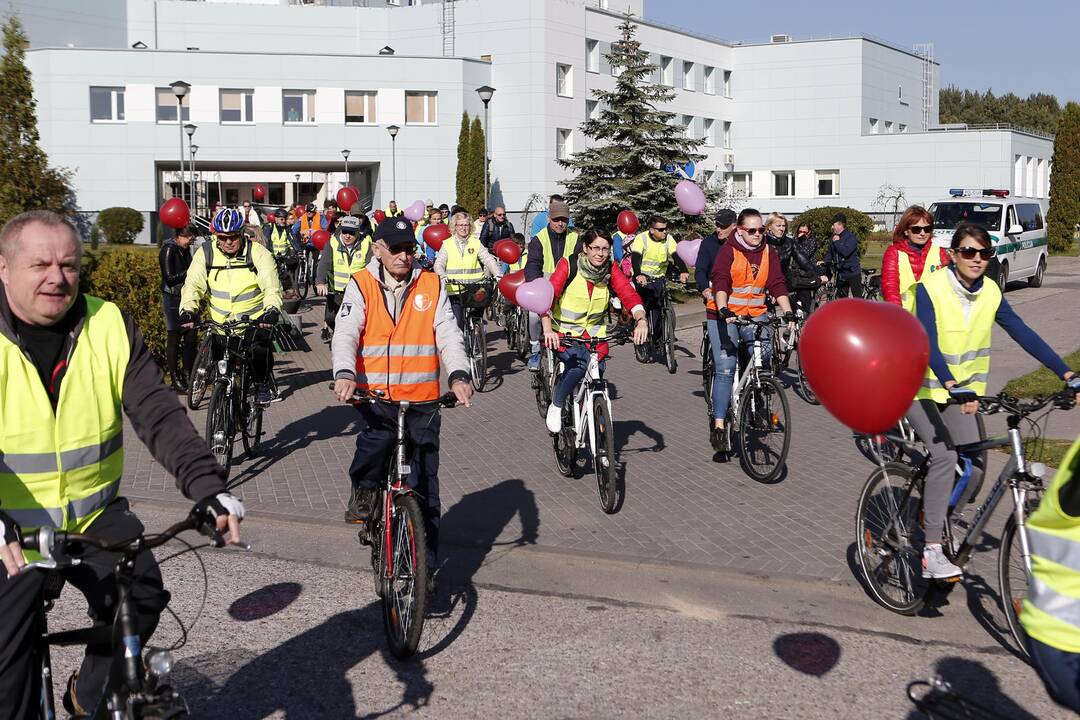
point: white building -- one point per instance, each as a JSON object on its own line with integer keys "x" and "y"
{"x": 280, "y": 87}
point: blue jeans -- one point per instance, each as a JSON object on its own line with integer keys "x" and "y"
{"x": 575, "y": 360}
{"x": 1060, "y": 672}
{"x": 725, "y": 349}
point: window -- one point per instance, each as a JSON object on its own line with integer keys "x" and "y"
{"x": 1018, "y": 175}
{"x": 688, "y": 76}
{"x": 564, "y": 81}
{"x": 828, "y": 182}
{"x": 275, "y": 194}
{"x": 710, "y": 80}
{"x": 873, "y": 126}
{"x": 727, "y": 83}
{"x": 237, "y": 106}
{"x": 902, "y": 128}
{"x": 739, "y": 183}
{"x": 709, "y": 131}
{"x": 888, "y": 127}
{"x": 359, "y": 108}
{"x": 421, "y": 108}
{"x": 688, "y": 126}
{"x": 592, "y": 110}
{"x": 727, "y": 134}
{"x": 592, "y": 56}
{"x": 784, "y": 183}
{"x": 1029, "y": 215}
{"x": 298, "y": 106}
{"x": 667, "y": 71}
{"x": 107, "y": 104}
{"x": 563, "y": 144}
{"x": 166, "y": 106}
{"x": 708, "y": 176}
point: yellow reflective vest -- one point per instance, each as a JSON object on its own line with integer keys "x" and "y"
{"x": 654, "y": 254}
{"x": 520, "y": 264}
{"x": 61, "y": 468}
{"x": 462, "y": 266}
{"x": 279, "y": 240}
{"x": 963, "y": 330}
{"x": 1051, "y": 611}
{"x": 550, "y": 260}
{"x": 245, "y": 284}
{"x": 577, "y": 312}
{"x": 347, "y": 260}
{"x": 907, "y": 277}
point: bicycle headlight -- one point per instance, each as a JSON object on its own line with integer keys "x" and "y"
{"x": 1037, "y": 469}
{"x": 159, "y": 662}
{"x": 223, "y": 367}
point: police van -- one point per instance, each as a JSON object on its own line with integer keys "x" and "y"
{"x": 1016, "y": 225}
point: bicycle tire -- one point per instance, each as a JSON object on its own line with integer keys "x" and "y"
{"x": 670, "y": 361}
{"x": 887, "y": 537}
{"x": 303, "y": 279}
{"x": 758, "y": 416}
{"x": 198, "y": 383}
{"x": 564, "y": 442}
{"x": 478, "y": 342}
{"x": 218, "y": 419}
{"x": 805, "y": 390}
{"x": 405, "y": 601}
{"x": 604, "y": 460}
{"x": 543, "y": 380}
{"x": 708, "y": 375}
{"x": 251, "y": 425}
{"x": 1013, "y": 582}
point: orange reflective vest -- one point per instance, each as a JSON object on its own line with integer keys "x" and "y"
{"x": 747, "y": 288}
{"x": 306, "y": 227}
{"x": 399, "y": 359}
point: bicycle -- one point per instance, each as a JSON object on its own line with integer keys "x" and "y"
{"x": 138, "y": 683}
{"x": 516, "y": 322}
{"x": 396, "y": 536}
{"x": 202, "y": 374}
{"x": 543, "y": 380}
{"x": 586, "y": 419}
{"x": 826, "y": 292}
{"x": 474, "y": 299}
{"x": 662, "y": 337}
{"x": 888, "y": 522}
{"x": 305, "y": 272}
{"x": 871, "y": 284}
{"x": 940, "y": 700}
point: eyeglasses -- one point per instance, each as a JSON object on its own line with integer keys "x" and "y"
{"x": 462, "y": 224}
{"x": 408, "y": 248}
{"x": 921, "y": 229}
{"x": 228, "y": 238}
{"x": 751, "y": 231}
{"x": 560, "y": 219}
{"x": 347, "y": 232}
{"x": 602, "y": 249}
{"x": 499, "y": 214}
{"x": 660, "y": 229}
{"x": 968, "y": 253}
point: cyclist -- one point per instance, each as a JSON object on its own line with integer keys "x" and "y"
{"x": 794, "y": 262}
{"x": 305, "y": 225}
{"x": 911, "y": 253}
{"x": 842, "y": 256}
{"x": 435, "y": 217}
{"x": 553, "y": 242}
{"x": 241, "y": 279}
{"x": 392, "y": 210}
{"x": 650, "y": 254}
{"x": 394, "y": 326}
{"x": 583, "y": 286}
{"x": 278, "y": 237}
{"x": 496, "y": 228}
{"x": 746, "y": 269}
{"x": 958, "y": 310}
{"x": 71, "y": 367}
{"x": 481, "y": 219}
{"x": 345, "y": 254}
{"x": 706, "y": 258}
{"x": 174, "y": 259}
{"x": 462, "y": 260}
{"x": 806, "y": 274}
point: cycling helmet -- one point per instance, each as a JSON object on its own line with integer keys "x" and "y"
{"x": 228, "y": 221}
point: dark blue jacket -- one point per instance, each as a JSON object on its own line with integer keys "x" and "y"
{"x": 843, "y": 254}
{"x": 706, "y": 258}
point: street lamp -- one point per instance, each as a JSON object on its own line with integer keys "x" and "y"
{"x": 180, "y": 90}
{"x": 393, "y": 130}
{"x": 296, "y": 189}
{"x": 485, "y": 92}
{"x": 345, "y": 154}
{"x": 191, "y": 167}
{"x": 190, "y": 130}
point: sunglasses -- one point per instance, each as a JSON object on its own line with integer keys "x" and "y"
{"x": 921, "y": 229}
{"x": 752, "y": 231}
{"x": 968, "y": 253}
{"x": 660, "y": 230}
{"x": 500, "y": 214}
{"x": 560, "y": 219}
{"x": 409, "y": 248}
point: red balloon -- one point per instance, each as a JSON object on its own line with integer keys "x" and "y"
{"x": 258, "y": 192}
{"x": 379, "y": 216}
{"x": 346, "y": 196}
{"x": 865, "y": 361}
{"x": 507, "y": 250}
{"x": 319, "y": 238}
{"x": 435, "y": 234}
{"x": 628, "y": 222}
{"x": 509, "y": 284}
{"x": 175, "y": 213}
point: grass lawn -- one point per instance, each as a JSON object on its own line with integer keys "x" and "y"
{"x": 1049, "y": 451}
{"x": 1041, "y": 382}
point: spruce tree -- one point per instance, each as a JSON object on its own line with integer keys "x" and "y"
{"x": 461, "y": 185}
{"x": 26, "y": 180}
{"x": 1065, "y": 181}
{"x": 627, "y": 146}
{"x": 475, "y": 200}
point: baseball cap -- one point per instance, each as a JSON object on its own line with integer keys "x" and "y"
{"x": 350, "y": 223}
{"x": 840, "y": 218}
{"x": 725, "y": 218}
{"x": 395, "y": 231}
{"x": 558, "y": 209}
{"x": 310, "y": 207}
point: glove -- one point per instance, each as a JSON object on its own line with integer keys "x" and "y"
{"x": 187, "y": 317}
{"x": 1073, "y": 383}
{"x": 270, "y": 317}
{"x": 961, "y": 395}
{"x": 220, "y": 505}
{"x": 789, "y": 317}
{"x": 725, "y": 313}
{"x": 8, "y": 528}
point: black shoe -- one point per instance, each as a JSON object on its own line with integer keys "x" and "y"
{"x": 263, "y": 394}
{"x": 326, "y": 335}
{"x": 719, "y": 439}
{"x": 69, "y": 702}
{"x": 360, "y": 503}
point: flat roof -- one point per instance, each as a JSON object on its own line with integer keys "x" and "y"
{"x": 253, "y": 53}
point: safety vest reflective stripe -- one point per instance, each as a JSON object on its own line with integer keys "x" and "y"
{"x": 399, "y": 378}
{"x": 966, "y": 357}
{"x": 577, "y": 311}
{"x": 69, "y": 459}
{"x": 238, "y": 298}
{"x": 933, "y": 382}
{"x": 654, "y": 254}
{"x": 746, "y": 302}
{"x": 377, "y": 351}
{"x": 747, "y": 296}
{"x": 746, "y": 288}
{"x": 545, "y": 243}
{"x": 463, "y": 264}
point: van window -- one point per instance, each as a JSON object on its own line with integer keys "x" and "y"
{"x": 947, "y": 215}
{"x": 1010, "y": 218}
{"x": 1029, "y": 215}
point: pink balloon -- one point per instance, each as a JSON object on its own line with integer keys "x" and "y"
{"x": 536, "y": 296}
{"x": 690, "y": 198}
{"x": 688, "y": 250}
{"x": 415, "y": 212}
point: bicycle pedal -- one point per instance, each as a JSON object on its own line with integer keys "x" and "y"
{"x": 362, "y": 535}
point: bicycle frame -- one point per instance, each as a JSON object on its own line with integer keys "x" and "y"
{"x": 747, "y": 378}
{"x": 590, "y": 387}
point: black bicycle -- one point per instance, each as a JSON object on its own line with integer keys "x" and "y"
{"x": 202, "y": 374}
{"x": 138, "y": 685}
{"x": 474, "y": 299}
{"x": 871, "y": 284}
{"x": 662, "y": 337}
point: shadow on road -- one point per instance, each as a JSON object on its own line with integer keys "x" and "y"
{"x": 976, "y": 694}
{"x": 810, "y": 653}
{"x": 625, "y": 429}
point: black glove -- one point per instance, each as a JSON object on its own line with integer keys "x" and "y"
{"x": 961, "y": 395}
{"x": 8, "y": 528}
{"x": 725, "y": 313}
{"x": 210, "y": 508}
{"x": 187, "y": 317}
{"x": 270, "y": 317}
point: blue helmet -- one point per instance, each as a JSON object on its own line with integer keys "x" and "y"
{"x": 228, "y": 221}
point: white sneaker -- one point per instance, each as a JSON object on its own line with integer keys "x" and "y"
{"x": 554, "y": 418}
{"x": 937, "y": 566}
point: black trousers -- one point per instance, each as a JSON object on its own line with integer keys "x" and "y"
{"x": 22, "y": 616}
{"x": 650, "y": 294}
{"x": 374, "y": 448}
{"x": 846, "y": 284}
{"x": 262, "y": 351}
{"x": 333, "y": 304}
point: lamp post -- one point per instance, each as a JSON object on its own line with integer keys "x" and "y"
{"x": 485, "y": 92}
{"x": 296, "y": 189}
{"x": 180, "y": 90}
{"x": 345, "y": 154}
{"x": 393, "y": 130}
{"x": 191, "y": 167}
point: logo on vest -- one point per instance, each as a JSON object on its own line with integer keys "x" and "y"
{"x": 472, "y": 251}
{"x": 421, "y": 302}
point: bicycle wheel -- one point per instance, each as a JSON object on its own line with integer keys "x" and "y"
{"x": 478, "y": 353}
{"x": 303, "y": 278}
{"x": 669, "y": 341}
{"x": 564, "y": 442}
{"x": 888, "y": 537}
{"x": 543, "y": 382}
{"x": 1013, "y": 581}
{"x": 764, "y": 430}
{"x": 200, "y": 375}
{"x": 219, "y": 431}
{"x": 708, "y": 374}
{"x": 251, "y": 421}
{"x": 604, "y": 460}
{"x": 406, "y": 596}
{"x": 804, "y": 387}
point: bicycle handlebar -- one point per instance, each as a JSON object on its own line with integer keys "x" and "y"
{"x": 1002, "y": 402}
{"x": 447, "y": 400}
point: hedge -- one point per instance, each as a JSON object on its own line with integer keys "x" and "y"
{"x": 132, "y": 279}
{"x": 120, "y": 225}
{"x": 820, "y": 222}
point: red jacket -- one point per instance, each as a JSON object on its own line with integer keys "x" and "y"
{"x": 890, "y": 266}
{"x": 619, "y": 284}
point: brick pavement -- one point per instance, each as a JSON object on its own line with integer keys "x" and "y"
{"x": 680, "y": 505}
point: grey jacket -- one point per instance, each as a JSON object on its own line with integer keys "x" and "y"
{"x": 349, "y": 328}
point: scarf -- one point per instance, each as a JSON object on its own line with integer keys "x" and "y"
{"x": 597, "y": 276}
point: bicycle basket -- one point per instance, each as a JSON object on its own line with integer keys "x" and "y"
{"x": 477, "y": 297}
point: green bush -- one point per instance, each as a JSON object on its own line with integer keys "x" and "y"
{"x": 820, "y": 221}
{"x": 120, "y": 225}
{"x": 132, "y": 280}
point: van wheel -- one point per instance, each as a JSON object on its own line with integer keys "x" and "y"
{"x": 1036, "y": 280}
{"x": 1003, "y": 276}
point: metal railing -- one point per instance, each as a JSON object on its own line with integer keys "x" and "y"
{"x": 962, "y": 127}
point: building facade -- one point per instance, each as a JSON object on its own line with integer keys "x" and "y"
{"x": 280, "y": 87}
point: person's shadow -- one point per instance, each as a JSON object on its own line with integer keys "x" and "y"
{"x": 976, "y": 693}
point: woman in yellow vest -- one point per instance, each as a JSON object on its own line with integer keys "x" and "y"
{"x": 911, "y": 254}
{"x": 958, "y": 310}
{"x": 462, "y": 260}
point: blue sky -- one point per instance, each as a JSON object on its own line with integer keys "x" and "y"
{"x": 1022, "y": 47}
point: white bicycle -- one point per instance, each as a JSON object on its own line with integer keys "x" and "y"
{"x": 586, "y": 420}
